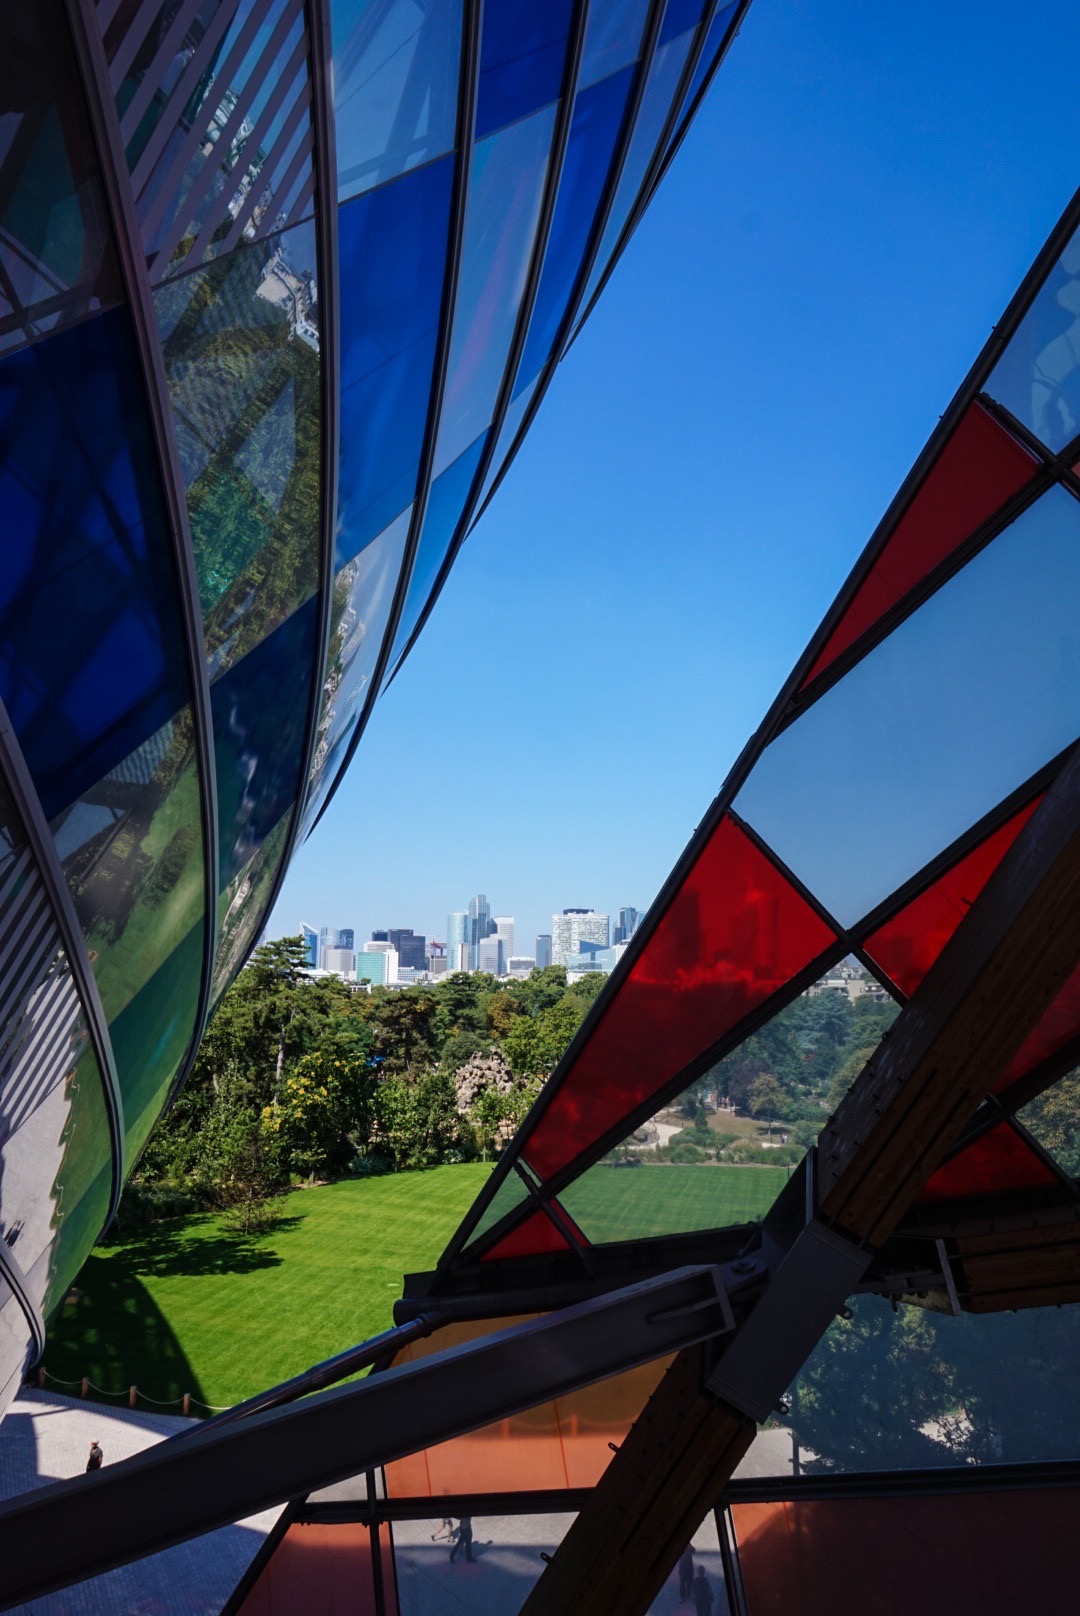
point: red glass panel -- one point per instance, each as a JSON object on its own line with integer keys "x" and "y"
{"x": 1001, "y": 1160}
{"x": 323, "y": 1569}
{"x": 537, "y": 1234}
{"x": 908, "y": 944}
{"x": 979, "y": 468}
{"x": 1060, "y": 1024}
{"x": 734, "y": 934}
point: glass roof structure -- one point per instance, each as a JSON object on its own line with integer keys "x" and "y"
{"x": 281, "y": 286}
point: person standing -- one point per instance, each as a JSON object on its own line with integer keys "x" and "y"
{"x": 686, "y": 1575}
{"x": 96, "y": 1456}
{"x": 464, "y": 1539}
{"x": 702, "y": 1593}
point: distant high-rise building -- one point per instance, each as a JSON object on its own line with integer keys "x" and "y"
{"x": 480, "y": 926}
{"x": 576, "y": 926}
{"x": 520, "y": 966}
{"x": 311, "y": 945}
{"x": 411, "y": 947}
{"x": 543, "y": 950}
{"x": 490, "y": 955}
{"x": 628, "y": 925}
{"x": 346, "y": 937}
{"x": 380, "y": 937}
{"x": 457, "y": 942}
{"x": 378, "y": 962}
{"x": 504, "y": 930}
{"x": 342, "y": 961}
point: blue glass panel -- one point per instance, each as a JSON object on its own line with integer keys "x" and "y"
{"x": 363, "y": 598}
{"x": 151, "y": 1036}
{"x": 444, "y": 507}
{"x": 963, "y": 702}
{"x": 1038, "y": 375}
{"x": 91, "y": 660}
{"x": 597, "y": 120}
{"x": 242, "y": 908}
{"x": 522, "y": 51}
{"x": 395, "y": 86}
{"x": 663, "y": 83}
{"x": 612, "y": 38}
{"x": 260, "y": 710}
{"x": 506, "y": 184}
{"x": 714, "y": 41}
{"x": 679, "y": 15}
{"x": 515, "y": 414}
{"x": 393, "y": 257}
{"x": 56, "y": 257}
{"x": 242, "y": 363}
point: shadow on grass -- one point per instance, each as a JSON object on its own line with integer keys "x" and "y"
{"x": 182, "y": 1248}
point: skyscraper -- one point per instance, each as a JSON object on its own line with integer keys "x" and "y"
{"x": 346, "y": 937}
{"x": 457, "y": 941}
{"x": 504, "y": 927}
{"x": 543, "y": 950}
{"x": 628, "y": 925}
{"x": 311, "y": 945}
{"x": 490, "y": 955}
{"x": 411, "y": 947}
{"x": 480, "y": 926}
{"x": 575, "y": 926}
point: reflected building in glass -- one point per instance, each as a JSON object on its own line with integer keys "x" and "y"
{"x": 282, "y": 285}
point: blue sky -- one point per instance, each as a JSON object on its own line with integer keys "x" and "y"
{"x": 855, "y": 205}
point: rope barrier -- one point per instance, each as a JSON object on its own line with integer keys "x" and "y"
{"x": 184, "y": 1402}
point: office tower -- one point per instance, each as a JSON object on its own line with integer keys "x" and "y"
{"x": 380, "y": 937}
{"x": 490, "y": 955}
{"x": 543, "y": 950}
{"x": 504, "y": 927}
{"x": 520, "y": 966}
{"x": 576, "y": 926}
{"x": 628, "y": 925}
{"x": 346, "y": 937}
{"x": 411, "y": 948}
{"x": 457, "y": 942}
{"x": 342, "y": 961}
{"x": 311, "y": 945}
{"x": 388, "y": 970}
{"x": 480, "y": 926}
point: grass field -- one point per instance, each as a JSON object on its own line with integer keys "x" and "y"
{"x": 190, "y": 1307}
{"x": 631, "y": 1203}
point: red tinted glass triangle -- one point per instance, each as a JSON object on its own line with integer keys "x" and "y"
{"x": 532, "y": 1238}
{"x": 1001, "y": 1160}
{"x": 1060, "y": 1024}
{"x": 735, "y": 932}
{"x": 980, "y": 467}
{"x": 906, "y": 946}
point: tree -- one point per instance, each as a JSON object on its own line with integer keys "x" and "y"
{"x": 1054, "y": 1118}
{"x": 534, "y": 1045}
{"x": 404, "y": 1032}
{"x": 324, "y": 1113}
{"x": 766, "y": 1097}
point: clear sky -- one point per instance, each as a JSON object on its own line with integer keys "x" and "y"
{"x": 861, "y": 194}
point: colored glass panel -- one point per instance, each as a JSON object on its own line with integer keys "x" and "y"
{"x": 242, "y": 907}
{"x": 1037, "y": 378}
{"x": 522, "y": 52}
{"x": 679, "y": 15}
{"x": 85, "y": 547}
{"x": 446, "y": 503}
{"x": 321, "y": 1568}
{"x": 1058, "y": 1026}
{"x": 594, "y": 130}
{"x": 907, "y": 945}
{"x": 395, "y": 86}
{"x": 515, "y": 414}
{"x": 613, "y": 35}
{"x": 151, "y": 1037}
{"x": 241, "y": 353}
{"x": 260, "y": 712}
{"x": 506, "y": 184}
{"x": 56, "y": 257}
{"x": 530, "y": 1239}
{"x": 1000, "y": 1161}
{"x": 734, "y": 933}
{"x": 969, "y": 697}
{"x": 360, "y": 612}
{"x": 715, "y": 40}
{"x": 392, "y": 252}
{"x": 511, "y": 1193}
{"x": 661, "y": 88}
{"x": 980, "y": 467}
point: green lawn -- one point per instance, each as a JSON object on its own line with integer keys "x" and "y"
{"x": 190, "y": 1307}
{"x": 631, "y": 1203}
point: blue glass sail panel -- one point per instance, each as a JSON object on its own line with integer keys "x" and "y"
{"x": 594, "y": 132}
{"x": 1038, "y": 375}
{"x": 522, "y": 53}
{"x": 151, "y": 1036}
{"x": 260, "y": 709}
{"x": 395, "y": 86}
{"x": 446, "y": 503}
{"x": 392, "y": 246}
{"x": 965, "y": 700}
{"x": 506, "y": 185}
{"x": 660, "y": 91}
{"x": 613, "y": 34}
{"x": 715, "y": 40}
{"x": 679, "y": 15}
{"x": 515, "y": 414}
{"x": 91, "y": 658}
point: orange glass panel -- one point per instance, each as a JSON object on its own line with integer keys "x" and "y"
{"x": 1001, "y": 1160}
{"x": 323, "y": 1570}
{"x": 980, "y": 467}
{"x": 908, "y": 944}
{"x": 560, "y": 1444}
{"x": 942, "y": 1555}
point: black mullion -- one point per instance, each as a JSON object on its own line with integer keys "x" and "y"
{"x": 1016, "y": 429}
{"x": 469, "y": 72}
{"x": 1046, "y": 1157}
{"x": 811, "y": 899}
{"x": 997, "y": 1107}
{"x": 703, "y": 90}
{"x": 182, "y": 90}
{"x": 90, "y": 54}
{"x": 320, "y": 66}
{"x": 644, "y": 62}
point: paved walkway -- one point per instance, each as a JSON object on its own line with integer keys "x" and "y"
{"x": 44, "y": 1437}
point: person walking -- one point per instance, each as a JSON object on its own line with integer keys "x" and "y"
{"x": 686, "y": 1575}
{"x": 702, "y": 1593}
{"x": 464, "y": 1539}
{"x": 96, "y": 1456}
{"x": 445, "y": 1529}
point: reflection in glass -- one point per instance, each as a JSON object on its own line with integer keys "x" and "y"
{"x": 1038, "y": 375}
{"x": 392, "y": 250}
{"x": 84, "y": 546}
{"x": 522, "y": 51}
{"x": 151, "y": 1037}
{"x": 966, "y": 699}
{"x": 56, "y": 255}
{"x": 241, "y": 348}
{"x": 360, "y": 611}
{"x": 660, "y": 89}
{"x": 242, "y": 906}
{"x": 612, "y": 39}
{"x": 511, "y": 1193}
{"x": 1053, "y": 1119}
{"x": 15, "y": 1346}
{"x": 395, "y": 86}
{"x": 446, "y": 502}
{"x": 506, "y": 184}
